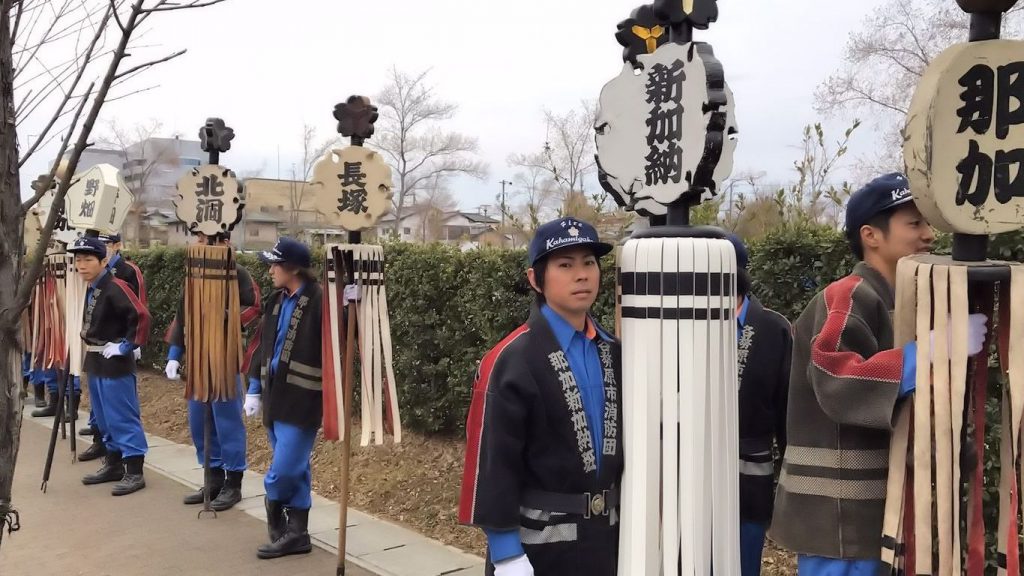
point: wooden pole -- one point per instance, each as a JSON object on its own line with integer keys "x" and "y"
{"x": 346, "y": 437}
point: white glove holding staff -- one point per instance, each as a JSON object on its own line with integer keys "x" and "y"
{"x": 351, "y": 293}
{"x": 977, "y": 329}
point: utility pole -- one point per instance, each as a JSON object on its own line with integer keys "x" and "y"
{"x": 503, "y": 208}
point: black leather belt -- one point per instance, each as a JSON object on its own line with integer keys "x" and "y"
{"x": 587, "y": 504}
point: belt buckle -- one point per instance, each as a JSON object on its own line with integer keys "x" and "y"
{"x": 597, "y": 504}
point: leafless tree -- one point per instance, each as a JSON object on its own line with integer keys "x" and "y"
{"x": 567, "y": 157}
{"x": 411, "y": 138}
{"x": 433, "y": 205}
{"x": 67, "y": 88}
{"x": 815, "y": 197}
{"x": 298, "y": 193}
{"x": 142, "y": 155}
{"x": 884, "y": 60}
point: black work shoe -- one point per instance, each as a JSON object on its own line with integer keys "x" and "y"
{"x": 96, "y": 450}
{"x": 87, "y": 431}
{"x": 112, "y": 470}
{"x": 216, "y": 483}
{"x": 47, "y": 409}
{"x": 295, "y": 539}
{"x": 40, "y": 397}
{"x": 133, "y": 480}
{"x": 230, "y": 494}
{"x": 275, "y": 518}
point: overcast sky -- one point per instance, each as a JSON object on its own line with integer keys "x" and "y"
{"x": 268, "y": 67}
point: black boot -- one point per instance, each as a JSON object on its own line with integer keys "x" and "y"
{"x": 133, "y": 480}
{"x": 230, "y": 494}
{"x": 49, "y": 410}
{"x": 216, "y": 483}
{"x": 97, "y": 449}
{"x": 275, "y": 518}
{"x": 75, "y": 400}
{"x": 112, "y": 470}
{"x": 40, "y": 396}
{"x": 295, "y": 539}
{"x": 87, "y": 431}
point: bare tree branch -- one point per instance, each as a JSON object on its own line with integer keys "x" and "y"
{"x": 409, "y": 136}
{"x": 117, "y": 18}
{"x": 81, "y": 71}
{"x": 148, "y": 64}
{"x": 45, "y": 184}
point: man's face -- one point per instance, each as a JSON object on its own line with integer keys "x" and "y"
{"x": 571, "y": 280}
{"x": 909, "y": 233}
{"x": 89, "y": 266}
{"x": 279, "y": 275}
{"x": 113, "y": 248}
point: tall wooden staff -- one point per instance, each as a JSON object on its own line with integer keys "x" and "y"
{"x": 355, "y": 191}
{"x": 210, "y": 201}
{"x": 665, "y": 139}
{"x": 964, "y": 155}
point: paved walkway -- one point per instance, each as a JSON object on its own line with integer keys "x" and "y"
{"x": 154, "y": 534}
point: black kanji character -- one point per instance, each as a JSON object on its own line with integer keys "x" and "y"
{"x": 665, "y": 124}
{"x": 665, "y": 165}
{"x": 210, "y": 186}
{"x": 353, "y": 175}
{"x": 87, "y": 209}
{"x": 92, "y": 186}
{"x": 353, "y": 201}
{"x": 1007, "y": 189}
{"x": 975, "y": 166}
{"x": 209, "y": 210}
{"x": 665, "y": 83}
{"x": 1011, "y": 86}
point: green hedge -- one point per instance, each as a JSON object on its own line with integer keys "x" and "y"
{"x": 447, "y": 307}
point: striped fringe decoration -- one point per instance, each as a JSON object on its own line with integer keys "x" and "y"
{"x": 379, "y": 413}
{"x": 680, "y": 503}
{"x": 213, "y": 334}
{"x": 74, "y": 295}
{"x": 925, "y": 452}
{"x": 48, "y": 303}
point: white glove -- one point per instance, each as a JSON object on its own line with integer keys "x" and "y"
{"x": 252, "y": 404}
{"x": 351, "y": 293}
{"x": 977, "y": 329}
{"x": 138, "y": 354}
{"x": 112, "y": 349}
{"x": 518, "y": 566}
{"x": 172, "y": 369}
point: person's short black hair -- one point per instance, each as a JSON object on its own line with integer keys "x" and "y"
{"x": 742, "y": 282}
{"x": 880, "y": 221}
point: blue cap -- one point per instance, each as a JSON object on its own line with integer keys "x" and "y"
{"x": 88, "y": 245}
{"x": 565, "y": 233}
{"x": 110, "y": 238}
{"x": 877, "y": 196}
{"x": 288, "y": 251}
{"x": 742, "y": 256}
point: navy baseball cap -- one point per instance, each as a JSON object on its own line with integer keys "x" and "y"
{"x": 88, "y": 245}
{"x": 565, "y": 233}
{"x": 288, "y": 251}
{"x": 877, "y": 196}
{"x": 742, "y": 256}
{"x": 111, "y": 238}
